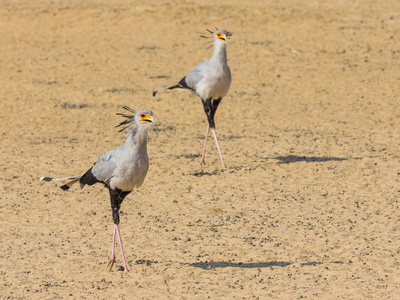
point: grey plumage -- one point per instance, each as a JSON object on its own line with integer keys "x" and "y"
{"x": 122, "y": 169}
{"x": 211, "y": 81}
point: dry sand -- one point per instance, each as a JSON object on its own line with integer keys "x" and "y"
{"x": 309, "y": 204}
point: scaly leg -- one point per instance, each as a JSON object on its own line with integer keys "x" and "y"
{"x": 122, "y": 250}
{"x": 219, "y": 150}
{"x": 112, "y": 259}
{"x": 202, "y": 162}
{"x": 116, "y": 197}
{"x": 210, "y": 107}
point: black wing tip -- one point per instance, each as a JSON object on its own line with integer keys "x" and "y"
{"x": 47, "y": 179}
{"x": 64, "y": 187}
{"x": 155, "y": 93}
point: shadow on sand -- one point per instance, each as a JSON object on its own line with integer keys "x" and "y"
{"x": 209, "y": 265}
{"x": 294, "y": 158}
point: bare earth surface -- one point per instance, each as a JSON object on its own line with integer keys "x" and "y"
{"x": 310, "y": 130}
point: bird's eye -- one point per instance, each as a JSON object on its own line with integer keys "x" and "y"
{"x": 142, "y": 115}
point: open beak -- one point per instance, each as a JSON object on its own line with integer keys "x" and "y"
{"x": 147, "y": 119}
{"x": 222, "y": 37}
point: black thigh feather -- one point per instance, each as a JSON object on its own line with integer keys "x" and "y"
{"x": 88, "y": 178}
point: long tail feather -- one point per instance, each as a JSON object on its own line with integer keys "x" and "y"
{"x": 159, "y": 91}
{"x": 65, "y": 178}
{"x": 66, "y": 186}
{"x": 73, "y": 179}
{"x": 172, "y": 87}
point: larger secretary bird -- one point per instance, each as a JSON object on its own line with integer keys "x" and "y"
{"x": 121, "y": 170}
{"x": 210, "y": 80}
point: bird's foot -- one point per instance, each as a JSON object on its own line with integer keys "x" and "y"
{"x": 111, "y": 263}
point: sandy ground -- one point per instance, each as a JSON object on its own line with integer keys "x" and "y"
{"x": 309, "y": 204}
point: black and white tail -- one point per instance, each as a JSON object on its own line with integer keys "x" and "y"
{"x": 73, "y": 179}
{"x": 181, "y": 85}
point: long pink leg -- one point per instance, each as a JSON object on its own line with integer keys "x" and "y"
{"x": 112, "y": 259}
{"x": 219, "y": 150}
{"x": 122, "y": 249}
{"x": 202, "y": 162}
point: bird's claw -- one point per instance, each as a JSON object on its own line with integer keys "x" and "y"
{"x": 111, "y": 263}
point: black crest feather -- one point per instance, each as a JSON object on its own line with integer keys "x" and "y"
{"x": 126, "y": 124}
{"x": 207, "y": 37}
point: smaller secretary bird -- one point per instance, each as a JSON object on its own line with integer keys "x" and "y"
{"x": 210, "y": 80}
{"x": 121, "y": 170}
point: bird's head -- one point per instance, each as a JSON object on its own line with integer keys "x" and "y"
{"x": 144, "y": 117}
{"x": 221, "y": 35}
{"x": 136, "y": 118}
